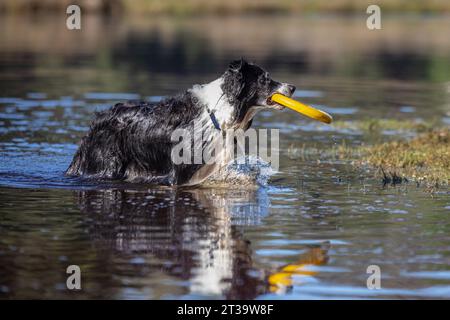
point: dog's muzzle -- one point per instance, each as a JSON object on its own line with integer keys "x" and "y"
{"x": 285, "y": 89}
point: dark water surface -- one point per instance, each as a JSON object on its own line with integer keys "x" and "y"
{"x": 323, "y": 218}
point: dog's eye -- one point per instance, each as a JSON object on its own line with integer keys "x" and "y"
{"x": 263, "y": 79}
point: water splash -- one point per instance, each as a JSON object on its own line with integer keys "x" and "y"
{"x": 247, "y": 171}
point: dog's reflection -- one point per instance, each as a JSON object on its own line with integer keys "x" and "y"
{"x": 191, "y": 235}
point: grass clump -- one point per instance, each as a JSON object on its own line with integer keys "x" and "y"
{"x": 424, "y": 158}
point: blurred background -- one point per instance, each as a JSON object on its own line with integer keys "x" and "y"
{"x": 126, "y": 44}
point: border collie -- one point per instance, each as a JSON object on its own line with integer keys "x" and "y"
{"x": 132, "y": 140}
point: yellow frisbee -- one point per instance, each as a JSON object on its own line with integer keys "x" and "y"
{"x": 302, "y": 108}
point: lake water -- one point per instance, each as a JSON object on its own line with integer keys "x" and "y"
{"x": 310, "y": 232}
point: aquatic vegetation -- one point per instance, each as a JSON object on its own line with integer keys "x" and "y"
{"x": 424, "y": 158}
{"x": 378, "y": 125}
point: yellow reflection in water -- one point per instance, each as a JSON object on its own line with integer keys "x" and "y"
{"x": 283, "y": 279}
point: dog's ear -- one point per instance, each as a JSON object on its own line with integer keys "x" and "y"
{"x": 233, "y": 82}
{"x": 237, "y": 65}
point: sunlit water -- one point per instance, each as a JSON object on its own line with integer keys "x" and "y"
{"x": 319, "y": 217}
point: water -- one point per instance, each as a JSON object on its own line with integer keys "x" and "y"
{"x": 310, "y": 232}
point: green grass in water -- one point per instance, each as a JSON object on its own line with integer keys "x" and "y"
{"x": 425, "y": 158}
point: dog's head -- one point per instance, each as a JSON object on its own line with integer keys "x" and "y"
{"x": 249, "y": 88}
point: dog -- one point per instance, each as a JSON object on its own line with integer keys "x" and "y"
{"x": 132, "y": 140}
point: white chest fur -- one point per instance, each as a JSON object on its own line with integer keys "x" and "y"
{"x": 212, "y": 96}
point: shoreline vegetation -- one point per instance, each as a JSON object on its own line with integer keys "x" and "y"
{"x": 194, "y": 7}
{"x": 423, "y": 159}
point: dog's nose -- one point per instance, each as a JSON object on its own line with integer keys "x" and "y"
{"x": 291, "y": 88}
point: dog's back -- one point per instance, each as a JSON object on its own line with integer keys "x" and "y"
{"x": 133, "y": 141}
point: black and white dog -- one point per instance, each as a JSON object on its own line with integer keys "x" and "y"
{"x": 132, "y": 141}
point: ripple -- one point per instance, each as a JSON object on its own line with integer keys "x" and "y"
{"x": 111, "y": 96}
{"x": 440, "y": 275}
